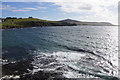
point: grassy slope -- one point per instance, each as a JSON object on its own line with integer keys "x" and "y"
{"x": 29, "y": 22}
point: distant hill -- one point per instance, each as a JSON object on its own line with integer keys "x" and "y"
{"x": 87, "y": 23}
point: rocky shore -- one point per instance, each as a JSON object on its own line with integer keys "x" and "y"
{"x": 21, "y": 71}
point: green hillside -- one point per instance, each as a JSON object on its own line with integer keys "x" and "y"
{"x": 31, "y": 22}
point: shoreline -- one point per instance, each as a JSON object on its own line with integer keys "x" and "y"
{"x": 49, "y": 26}
{"x": 9, "y": 23}
{"x": 22, "y": 71}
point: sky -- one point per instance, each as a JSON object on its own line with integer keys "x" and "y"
{"x": 82, "y": 10}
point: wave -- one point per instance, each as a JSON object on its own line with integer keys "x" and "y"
{"x": 68, "y": 64}
{"x": 95, "y": 75}
{"x": 95, "y": 53}
{"x": 81, "y": 50}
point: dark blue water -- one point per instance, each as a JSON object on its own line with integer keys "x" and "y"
{"x": 78, "y": 51}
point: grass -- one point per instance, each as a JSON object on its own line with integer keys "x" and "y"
{"x": 29, "y": 22}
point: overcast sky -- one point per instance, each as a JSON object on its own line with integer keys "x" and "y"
{"x": 82, "y": 10}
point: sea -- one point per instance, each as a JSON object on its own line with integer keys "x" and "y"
{"x": 76, "y": 51}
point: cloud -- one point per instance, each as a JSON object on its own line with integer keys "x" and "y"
{"x": 28, "y": 9}
{"x": 14, "y": 9}
{"x": 20, "y": 10}
{"x": 31, "y": 8}
{"x": 7, "y": 7}
{"x": 24, "y": 9}
{"x": 45, "y": 17}
{"x": 74, "y": 7}
{"x": 102, "y": 10}
{"x": 40, "y": 3}
{"x": 43, "y": 11}
{"x": 99, "y": 10}
{"x": 41, "y": 7}
{"x": 0, "y": 7}
{"x": 33, "y": 0}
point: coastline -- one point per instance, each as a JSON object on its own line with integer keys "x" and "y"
{"x": 22, "y": 71}
{"x": 48, "y": 26}
{"x": 10, "y": 23}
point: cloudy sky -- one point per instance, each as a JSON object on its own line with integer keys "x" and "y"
{"x": 82, "y": 10}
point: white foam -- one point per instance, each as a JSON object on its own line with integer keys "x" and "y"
{"x": 10, "y": 76}
{"x": 68, "y": 56}
{"x": 71, "y": 74}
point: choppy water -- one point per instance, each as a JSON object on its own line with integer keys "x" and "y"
{"x": 77, "y": 51}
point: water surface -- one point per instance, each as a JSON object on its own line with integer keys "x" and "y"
{"x": 77, "y": 51}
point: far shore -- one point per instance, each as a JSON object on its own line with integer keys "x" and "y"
{"x": 16, "y": 23}
{"x": 47, "y": 26}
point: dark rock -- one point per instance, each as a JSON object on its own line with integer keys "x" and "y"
{"x": 17, "y": 68}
